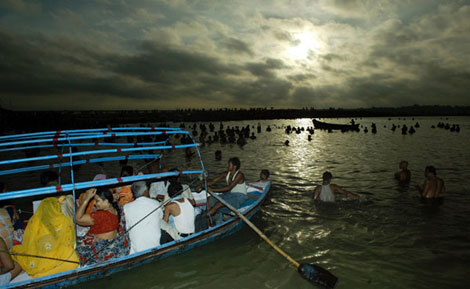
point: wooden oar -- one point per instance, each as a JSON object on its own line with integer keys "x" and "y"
{"x": 313, "y": 273}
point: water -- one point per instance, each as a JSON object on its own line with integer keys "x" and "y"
{"x": 391, "y": 241}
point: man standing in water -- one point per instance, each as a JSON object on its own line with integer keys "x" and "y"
{"x": 433, "y": 186}
{"x": 403, "y": 176}
{"x": 327, "y": 191}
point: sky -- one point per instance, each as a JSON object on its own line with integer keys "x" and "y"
{"x": 177, "y": 54}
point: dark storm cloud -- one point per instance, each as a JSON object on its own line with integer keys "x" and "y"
{"x": 266, "y": 69}
{"x": 238, "y": 46}
{"x": 208, "y": 54}
{"x": 43, "y": 66}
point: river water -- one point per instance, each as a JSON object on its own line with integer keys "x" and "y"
{"x": 392, "y": 240}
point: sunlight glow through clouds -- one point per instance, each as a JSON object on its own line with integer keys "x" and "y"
{"x": 305, "y": 43}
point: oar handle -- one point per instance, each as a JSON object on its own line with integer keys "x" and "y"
{"x": 249, "y": 223}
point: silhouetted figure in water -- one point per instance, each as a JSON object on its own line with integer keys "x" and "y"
{"x": 366, "y": 130}
{"x": 394, "y": 127}
{"x": 404, "y": 175}
{"x": 258, "y": 128}
{"x": 374, "y": 128}
{"x": 417, "y": 125}
{"x": 241, "y": 141}
{"x": 286, "y": 142}
{"x": 252, "y": 136}
{"x": 268, "y": 128}
{"x": 433, "y": 186}
{"x": 309, "y": 137}
{"x": 412, "y": 130}
{"x": 218, "y": 155}
{"x": 404, "y": 129}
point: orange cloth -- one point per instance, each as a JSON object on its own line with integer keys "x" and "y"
{"x": 125, "y": 195}
{"x": 91, "y": 203}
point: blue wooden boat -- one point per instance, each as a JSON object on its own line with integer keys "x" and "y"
{"x": 101, "y": 146}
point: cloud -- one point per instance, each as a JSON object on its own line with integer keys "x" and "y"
{"x": 172, "y": 54}
{"x": 237, "y": 46}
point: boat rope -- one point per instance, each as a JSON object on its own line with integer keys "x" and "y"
{"x": 126, "y": 232}
{"x": 37, "y": 256}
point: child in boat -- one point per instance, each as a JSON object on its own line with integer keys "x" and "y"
{"x": 262, "y": 182}
{"x": 183, "y": 215}
{"x": 99, "y": 244}
{"x": 125, "y": 192}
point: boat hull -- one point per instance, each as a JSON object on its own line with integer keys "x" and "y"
{"x": 333, "y": 126}
{"x": 113, "y": 266}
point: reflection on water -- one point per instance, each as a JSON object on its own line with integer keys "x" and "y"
{"x": 391, "y": 241}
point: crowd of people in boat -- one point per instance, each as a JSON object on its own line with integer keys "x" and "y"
{"x": 112, "y": 221}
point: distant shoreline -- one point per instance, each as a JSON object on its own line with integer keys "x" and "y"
{"x": 57, "y": 120}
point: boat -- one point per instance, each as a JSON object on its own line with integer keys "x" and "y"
{"x": 334, "y": 126}
{"x": 67, "y": 150}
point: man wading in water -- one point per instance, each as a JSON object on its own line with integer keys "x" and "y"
{"x": 327, "y": 192}
{"x": 433, "y": 186}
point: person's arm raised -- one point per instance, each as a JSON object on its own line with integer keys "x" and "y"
{"x": 81, "y": 218}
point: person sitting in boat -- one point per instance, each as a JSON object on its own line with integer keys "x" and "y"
{"x": 49, "y": 178}
{"x": 236, "y": 191}
{"x": 51, "y": 235}
{"x": 125, "y": 192}
{"x": 403, "y": 176}
{"x": 327, "y": 191}
{"x": 8, "y": 205}
{"x": 261, "y": 183}
{"x": 102, "y": 240}
{"x": 433, "y": 186}
{"x": 9, "y": 269}
{"x": 163, "y": 195}
{"x": 143, "y": 217}
{"x": 91, "y": 204}
{"x": 183, "y": 215}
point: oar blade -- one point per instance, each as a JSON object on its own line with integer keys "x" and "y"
{"x": 318, "y": 276}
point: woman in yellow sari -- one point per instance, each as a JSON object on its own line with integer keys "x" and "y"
{"x": 50, "y": 234}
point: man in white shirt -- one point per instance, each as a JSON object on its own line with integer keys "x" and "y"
{"x": 146, "y": 234}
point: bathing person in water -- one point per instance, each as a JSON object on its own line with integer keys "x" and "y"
{"x": 327, "y": 191}
{"x": 433, "y": 186}
{"x": 404, "y": 175}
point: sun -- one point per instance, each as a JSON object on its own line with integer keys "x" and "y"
{"x": 304, "y": 43}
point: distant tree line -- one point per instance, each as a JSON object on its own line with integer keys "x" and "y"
{"x": 27, "y": 121}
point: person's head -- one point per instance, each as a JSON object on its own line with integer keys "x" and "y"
{"x": 139, "y": 189}
{"x": 174, "y": 189}
{"x": 234, "y": 162}
{"x": 430, "y": 171}
{"x": 218, "y": 155}
{"x": 49, "y": 178}
{"x": 264, "y": 175}
{"x": 127, "y": 171}
{"x": 103, "y": 199}
{"x": 403, "y": 165}
{"x": 327, "y": 176}
{"x": 99, "y": 177}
